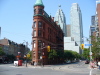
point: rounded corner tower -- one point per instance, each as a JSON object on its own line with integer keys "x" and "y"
{"x": 38, "y": 7}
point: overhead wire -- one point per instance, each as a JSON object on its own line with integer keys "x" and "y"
{"x": 20, "y": 35}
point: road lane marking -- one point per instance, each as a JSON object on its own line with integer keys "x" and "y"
{"x": 90, "y": 72}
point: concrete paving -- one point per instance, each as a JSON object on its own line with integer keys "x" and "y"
{"x": 68, "y": 67}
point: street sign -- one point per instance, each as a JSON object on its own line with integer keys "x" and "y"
{"x": 88, "y": 44}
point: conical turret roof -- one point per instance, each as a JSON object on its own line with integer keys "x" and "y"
{"x": 39, "y": 3}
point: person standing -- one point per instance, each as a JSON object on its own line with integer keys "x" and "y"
{"x": 92, "y": 64}
{"x": 99, "y": 64}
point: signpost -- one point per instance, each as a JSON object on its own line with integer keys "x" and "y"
{"x": 88, "y": 44}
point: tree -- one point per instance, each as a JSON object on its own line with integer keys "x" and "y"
{"x": 1, "y": 52}
{"x": 60, "y": 54}
{"x": 75, "y": 55}
{"x": 30, "y": 52}
{"x": 71, "y": 55}
{"x": 52, "y": 54}
{"x": 95, "y": 47}
{"x": 86, "y": 53}
{"x": 68, "y": 55}
{"x": 11, "y": 57}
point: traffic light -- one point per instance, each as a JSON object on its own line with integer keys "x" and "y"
{"x": 48, "y": 48}
{"x": 82, "y": 46}
{"x": 28, "y": 55}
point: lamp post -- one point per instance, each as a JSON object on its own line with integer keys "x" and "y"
{"x": 25, "y": 56}
{"x": 90, "y": 50}
{"x": 18, "y": 56}
{"x": 25, "y": 50}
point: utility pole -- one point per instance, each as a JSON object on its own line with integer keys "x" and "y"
{"x": 90, "y": 50}
{"x": 90, "y": 53}
{"x": 26, "y": 50}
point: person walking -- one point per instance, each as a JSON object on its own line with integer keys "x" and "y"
{"x": 99, "y": 64}
{"x": 92, "y": 64}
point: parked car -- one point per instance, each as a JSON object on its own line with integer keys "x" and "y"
{"x": 87, "y": 62}
{"x": 68, "y": 61}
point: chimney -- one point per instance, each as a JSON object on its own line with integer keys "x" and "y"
{"x": 53, "y": 18}
{"x": 57, "y": 22}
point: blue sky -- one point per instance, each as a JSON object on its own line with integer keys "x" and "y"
{"x": 16, "y": 16}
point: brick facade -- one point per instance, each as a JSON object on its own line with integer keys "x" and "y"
{"x": 45, "y": 32}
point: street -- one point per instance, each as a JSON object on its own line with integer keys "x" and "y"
{"x": 65, "y": 69}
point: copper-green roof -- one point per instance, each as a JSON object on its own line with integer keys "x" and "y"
{"x": 39, "y": 3}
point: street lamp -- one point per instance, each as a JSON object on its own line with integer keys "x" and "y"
{"x": 25, "y": 50}
{"x": 90, "y": 47}
{"x": 90, "y": 51}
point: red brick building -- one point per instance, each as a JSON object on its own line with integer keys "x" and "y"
{"x": 45, "y": 33}
{"x": 98, "y": 15}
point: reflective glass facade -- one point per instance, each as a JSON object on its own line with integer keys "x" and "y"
{"x": 60, "y": 18}
{"x": 76, "y": 23}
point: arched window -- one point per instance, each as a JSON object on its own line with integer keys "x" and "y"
{"x": 40, "y": 11}
{"x": 34, "y": 11}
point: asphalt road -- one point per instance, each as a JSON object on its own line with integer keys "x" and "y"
{"x": 69, "y": 69}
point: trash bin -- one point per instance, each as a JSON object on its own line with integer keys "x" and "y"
{"x": 19, "y": 62}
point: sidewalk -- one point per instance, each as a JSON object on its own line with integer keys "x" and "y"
{"x": 96, "y": 72}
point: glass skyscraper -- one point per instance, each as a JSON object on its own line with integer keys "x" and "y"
{"x": 60, "y": 18}
{"x": 76, "y": 24}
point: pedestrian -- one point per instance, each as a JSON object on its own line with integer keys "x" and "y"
{"x": 92, "y": 64}
{"x": 99, "y": 64}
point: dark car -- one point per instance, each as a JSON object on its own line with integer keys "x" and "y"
{"x": 87, "y": 62}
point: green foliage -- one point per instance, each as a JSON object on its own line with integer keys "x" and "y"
{"x": 11, "y": 57}
{"x": 30, "y": 52}
{"x": 60, "y": 53}
{"x": 95, "y": 47}
{"x": 86, "y": 53}
{"x": 75, "y": 55}
{"x": 1, "y": 52}
{"x": 52, "y": 54}
{"x": 70, "y": 55}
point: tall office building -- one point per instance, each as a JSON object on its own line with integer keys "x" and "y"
{"x": 68, "y": 30}
{"x": 98, "y": 17}
{"x": 93, "y": 26}
{"x": 60, "y": 18}
{"x": 93, "y": 20}
{"x": 76, "y": 23}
